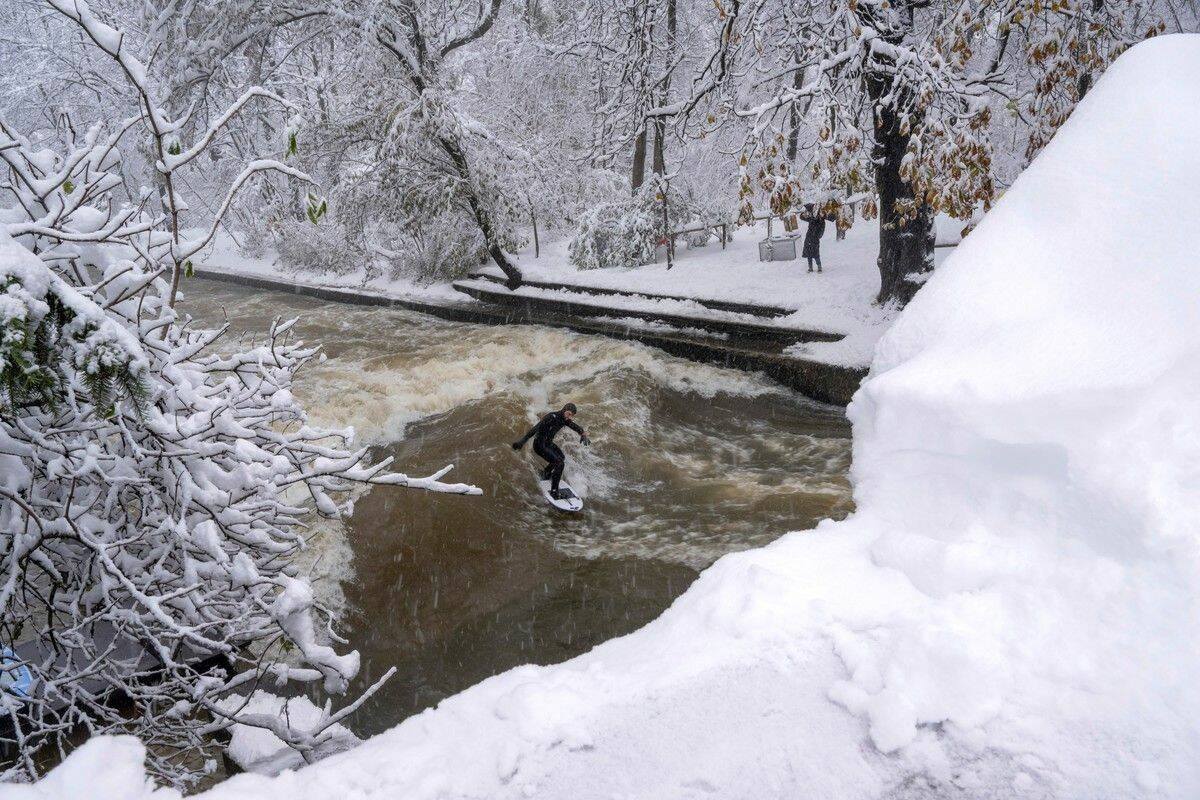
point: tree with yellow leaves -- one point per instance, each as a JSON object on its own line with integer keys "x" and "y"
{"x": 887, "y": 107}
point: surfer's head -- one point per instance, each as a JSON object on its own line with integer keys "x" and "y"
{"x": 569, "y": 410}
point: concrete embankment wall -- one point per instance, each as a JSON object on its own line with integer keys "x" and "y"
{"x": 826, "y": 383}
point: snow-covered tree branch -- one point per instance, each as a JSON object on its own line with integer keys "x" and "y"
{"x": 895, "y": 103}
{"x": 156, "y": 481}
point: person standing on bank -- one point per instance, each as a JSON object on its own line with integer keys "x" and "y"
{"x": 812, "y": 236}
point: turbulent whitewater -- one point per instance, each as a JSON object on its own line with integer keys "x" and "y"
{"x": 690, "y": 462}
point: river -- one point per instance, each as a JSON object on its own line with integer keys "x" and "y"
{"x": 688, "y": 462}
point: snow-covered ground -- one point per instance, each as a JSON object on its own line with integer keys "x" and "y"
{"x": 1012, "y": 610}
{"x": 224, "y": 255}
{"x": 839, "y": 300}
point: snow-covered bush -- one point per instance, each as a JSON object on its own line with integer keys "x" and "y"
{"x": 153, "y": 481}
{"x": 408, "y": 216}
{"x": 619, "y": 233}
{"x": 442, "y": 249}
{"x": 623, "y": 232}
{"x": 326, "y": 248}
{"x": 699, "y": 238}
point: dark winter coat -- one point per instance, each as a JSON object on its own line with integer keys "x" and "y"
{"x": 812, "y": 236}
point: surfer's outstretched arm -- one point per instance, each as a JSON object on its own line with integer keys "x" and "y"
{"x": 583, "y": 437}
{"x": 517, "y": 445}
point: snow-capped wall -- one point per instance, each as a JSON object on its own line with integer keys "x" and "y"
{"x": 1013, "y": 610}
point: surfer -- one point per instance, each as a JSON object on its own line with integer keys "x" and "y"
{"x": 543, "y": 434}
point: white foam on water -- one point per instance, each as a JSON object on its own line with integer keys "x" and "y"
{"x": 380, "y": 395}
{"x": 712, "y": 507}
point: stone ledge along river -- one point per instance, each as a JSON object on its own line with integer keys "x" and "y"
{"x": 688, "y": 462}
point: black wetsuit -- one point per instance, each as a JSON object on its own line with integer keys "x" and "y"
{"x": 543, "y": 444}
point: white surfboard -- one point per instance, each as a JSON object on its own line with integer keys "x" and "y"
{"x": 569, "y": 502}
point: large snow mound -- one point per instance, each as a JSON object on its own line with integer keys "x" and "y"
{"x": 1028, "y": 447}
{"x": 104, "y": 768}
{"x": 1012, "y": 610}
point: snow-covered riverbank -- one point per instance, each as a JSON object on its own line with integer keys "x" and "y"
{"x": 1010, "y": 613}
{"x": 841, "y": 299}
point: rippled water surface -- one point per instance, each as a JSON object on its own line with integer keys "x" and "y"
{"x": 688, "y": 462}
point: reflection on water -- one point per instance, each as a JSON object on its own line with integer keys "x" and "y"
{"x": 688, "y": 462}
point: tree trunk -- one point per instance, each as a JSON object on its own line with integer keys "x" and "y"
{"x": 660, "y": 127}
{"x": 793, "y": 140}
{"x": 537, "y": 246}
{"x": 905, "y": 242}
{"x": 482, "y": 217}
{"x": 659, "y": 163}
{"x": 639, "y": 161}
{"x": 1085, "y": 76}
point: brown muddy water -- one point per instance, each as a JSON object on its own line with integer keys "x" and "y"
{"x": 688, "y": 462}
